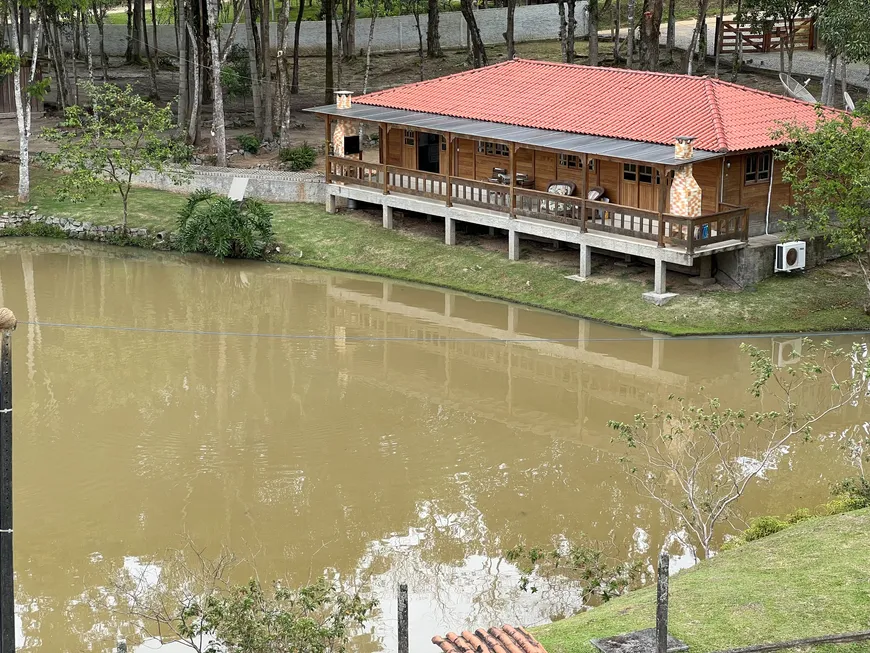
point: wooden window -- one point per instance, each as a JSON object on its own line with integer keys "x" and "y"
{"x": 757, "y": 167}
{"x": 645, "y": 174}
{"x": 629, "y": 171}
{"x": 409, "y": 137}
{"x": 493, "y": 149}
{"x": 569, "y": 161}
{"x": 443, "y": 143}
{"x": 591, "y": 165}
{"x": 670, "y": 176}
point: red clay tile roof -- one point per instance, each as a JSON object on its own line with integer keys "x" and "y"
{"x": 506, "y": 639}
{"x": 612, "y": 102}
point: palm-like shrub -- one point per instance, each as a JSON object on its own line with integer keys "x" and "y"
{"x": 223, "y": 227}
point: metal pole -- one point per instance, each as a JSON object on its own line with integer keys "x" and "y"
{"x": 7, "y": 588}
{"x": 662, "y": 604}
{"x": 403, "y": 618}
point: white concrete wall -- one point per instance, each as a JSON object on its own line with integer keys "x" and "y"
{"x": 392, "y": 33}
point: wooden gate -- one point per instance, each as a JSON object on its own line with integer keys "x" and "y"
{"x": 771, "y": 39}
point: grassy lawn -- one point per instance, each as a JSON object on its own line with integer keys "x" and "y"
{"x": 810, "y": 580}
{"x": 825, "y": 299}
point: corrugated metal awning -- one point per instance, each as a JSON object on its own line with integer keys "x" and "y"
{"x": 652, "y": 153}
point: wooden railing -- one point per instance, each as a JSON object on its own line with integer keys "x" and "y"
{"x": 728, "y": 223}
{"x": 482, "y": 194}
{"x": 357, "y": 172}
{"x": 417, "y": 182}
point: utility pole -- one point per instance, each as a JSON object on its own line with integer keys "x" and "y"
{"x": 7, "y": 579}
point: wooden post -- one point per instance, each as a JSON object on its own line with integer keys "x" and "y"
{"x": 663, "y": 198}
{"x": 328, "y": 142}
{"x": 451, "y": 154}
{"x": 7, "y": 585}
{"x": 585, "y": 192}
{"x": 403, "y": 618}
{"x": 385, "y": 156}
{"x": 513, "y": 179}
{"x": 662, "y": 604}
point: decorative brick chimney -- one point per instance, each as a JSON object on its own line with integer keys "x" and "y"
{"x": 342, "y": 99}
{"x": 685, "y": 191}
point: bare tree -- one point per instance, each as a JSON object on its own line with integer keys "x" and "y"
{"x": 698, "y": 459}
{"x": 218, "y": 126}
{"x": 329, "y": 81}
{"x": 629, "y": 55}
{"x": 671, "y": 39}
{"x": 253, "y": 65}
{"x": 592, "y": 23}
{"x": 99, "y": 8}
{"x": 650, "y": 31}
{"x": 183, "y": 66}
{"x": 23, "y": 106}
{"x": 297, "y": 28}
{"x": 700, "y": 23}
{"x": 509, "y": 32}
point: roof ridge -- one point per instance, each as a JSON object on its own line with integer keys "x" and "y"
{"x": 718, "y": 124}
{"x": 758, "y": 91}
{"x": 624, "y": 71}
{"x": 425, "y": 82}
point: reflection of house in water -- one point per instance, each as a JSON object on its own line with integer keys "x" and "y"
{"x": 508, "y": 363}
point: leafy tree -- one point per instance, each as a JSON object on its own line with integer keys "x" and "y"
{"x": 223, "y": 227}
{"x": 697, "y": 459}
{"x": 829, "y": 171}
{"x": 107, "y": 146}
{"x": 761, "y": 14}
{"x": 844, "y": 28}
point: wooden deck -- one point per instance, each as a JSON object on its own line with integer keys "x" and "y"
{"x": 603, "y": 225}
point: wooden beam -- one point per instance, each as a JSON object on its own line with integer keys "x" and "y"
{"x": 386, "y": 155}
{"x": 663, "y": 197}
{"x": 585, "y": 192}
{"x": 451, "y": 155}
{"x": 513, "y": 179}
{"x": 328, "y": 143}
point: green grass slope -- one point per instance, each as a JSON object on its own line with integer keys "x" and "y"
{"x": 812, "y": 579}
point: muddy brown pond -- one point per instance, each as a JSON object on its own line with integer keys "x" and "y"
{"x": 324, "y": 422}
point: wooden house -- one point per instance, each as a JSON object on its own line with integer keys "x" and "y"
{"x": 671, "y": 168}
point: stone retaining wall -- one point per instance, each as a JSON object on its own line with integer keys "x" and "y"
{"x": 80, "y": 229}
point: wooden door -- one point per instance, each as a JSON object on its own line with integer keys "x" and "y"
{"x": 394, "y": 147}
{"x": 465, "y": 158}
{"x": 409, "y": 149}
{"x": 647, "y": 195}
{"x": 628, "y": 185}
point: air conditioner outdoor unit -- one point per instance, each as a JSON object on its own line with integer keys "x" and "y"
{"x": 790, "y": 256}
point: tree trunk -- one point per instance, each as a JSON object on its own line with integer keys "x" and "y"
{"x": 702, "y": 50}
{"x": 433, "y": 35}
{"x": 22, "y": 105}
{"x": 104, "y": 59}
{"x": 266, "y": 62}
{"x": 369, "y": 47}
{"x": 650, "y": 31}
{"x": 283, "y": 70}
{"x": 509, "y": 32}
{"x": 128, "y": 55}
{"x": 563, "y": 31}
{"x": 572, "y": 30}
{"x": 217, "y": 122}
{"x": 671, "y": 38}
{"x": 419, "y": 41}
{"x": 718, "y": 45}
{"x": 478, "y": 50}
{"x": 89, "y": 53}
{"x": 629, "y": 54}
{"x": 294, "y": 85}
{"x": 791, "y": 39}
{"x": 152, "y": 65}
{"x": 592, "y": 23}
{"x": 696, "y": 34}
{"x": 154, "y": 28}
{"x": 348, "y": 29}
{"x": 183, "y": 65}
{"x": 196, "y": 98}
{"x": 329, "y": 82}
{"x": 253, "y": 67}
{"x": 617, "y": 27}
{"x": 843, "y": 81}
{"x": 827, "y": 84}
{"x": 136, "y": 37}
{"x": 737, "y": 60}
{"x": 75, "y": 63}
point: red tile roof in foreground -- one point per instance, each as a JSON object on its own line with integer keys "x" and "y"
{"x": 617, "y": 103}
{"x": 506, "y": 639}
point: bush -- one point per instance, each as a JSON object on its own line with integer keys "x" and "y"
{"x": 223, "y": 227}
{"x": 762, "y": 527}
{"x": 35, "y": 230}
{"x": 236, "y": 72}
{"x": 179, "y": 150}
{"x": 250, "y": 143}
{"x": 299, "y": 158}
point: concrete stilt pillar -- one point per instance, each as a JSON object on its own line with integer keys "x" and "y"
{"x": 449, "y": 304}
{"x": 658, "y": 353}
{"x": 330, "y": 203}
{"x": 513, "y": 317}
{"x": 705, "y": 266}
{"x": 388, "y": 217}
{"x": 585, "y": 261}
{"x": 583, "y": 334}
{"x": 513, "y": 245}
{"x": 660, "y": 279}
{"x": 449, "y": 231}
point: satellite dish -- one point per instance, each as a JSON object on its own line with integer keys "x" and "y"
{"x": 795, "y": 89}
{"x": 848, "y": 101}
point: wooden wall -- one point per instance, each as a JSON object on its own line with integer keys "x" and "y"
{"x": 544, "y": 168}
